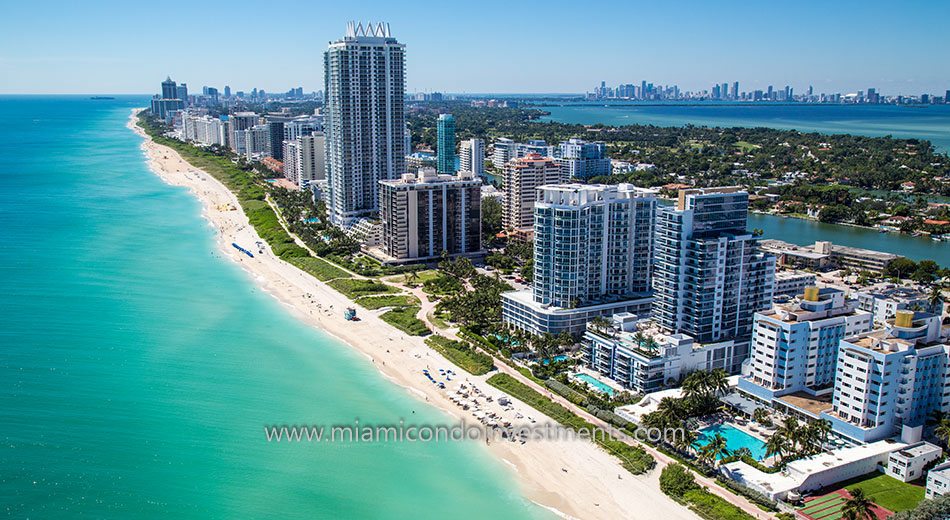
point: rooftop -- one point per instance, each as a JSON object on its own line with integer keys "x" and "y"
{"x": 918, "y": 450}
{"x": 810, "y": 404}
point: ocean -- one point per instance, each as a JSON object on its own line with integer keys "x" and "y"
{"x": 139, "y": 367}
{"x": 930, "y": 122}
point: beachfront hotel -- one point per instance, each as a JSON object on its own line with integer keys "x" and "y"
{"x": 426, "y": 214}
{"x": 891, "y": 380}
{"x": 520, "y": 181}
{"x": 204, "y": 130}
{"x": 365, "y": 119}
{"x": 795, "y": 347}
{"x": 592, "y": 251}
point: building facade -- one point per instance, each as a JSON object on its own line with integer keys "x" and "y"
{"x": 890, "y": 379}
{"x": 239, "y": 122}
{"x": 365, "y": 118}
{"x": 472, "y": 157}
{"x": 582, "y": 160}
{"x": 445, "y": 127}
{"x": 592, "y": 251}
{"x": 427, "y": 214}
{"x": 795, "y": 345}
{"x": 520, "y": 181}
{"x": 709, "y": 275}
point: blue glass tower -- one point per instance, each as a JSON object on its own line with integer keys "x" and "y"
{"x": 446, "y": 144}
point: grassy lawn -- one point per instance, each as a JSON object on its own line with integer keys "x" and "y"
{"x": 888, "y": 492}
{"x": 353, "y": 288}
{"x": 746, "y": 146}
{"x": 405, "y": 320}
{"x": 438, "y": 320}
{"x": 394, "y": 300}
{"x": 319, "y": 268}
{"x": 461, "y": 354}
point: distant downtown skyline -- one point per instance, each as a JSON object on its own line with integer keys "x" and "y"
{"x": 104, "y": 46}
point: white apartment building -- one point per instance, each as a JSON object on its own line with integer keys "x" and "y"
{"x": 365, "y": 118}
{"x": 938, "y": 481}
{"x": 237, "y": 122}
{"x": 795, "y": 345}
{"x": 592, "y": 250}
{"x": 885, "y": 300}
{"x": 792, "y": 282}
{"x": 472, "y": 156}
{"x": 890, "y": 380}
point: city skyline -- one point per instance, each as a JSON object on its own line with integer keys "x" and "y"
{"x": 770, "y": 45}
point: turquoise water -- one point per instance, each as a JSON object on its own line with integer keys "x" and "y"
{"x": 735, "y": 439}
{"x": 596, "y": 384}
{"x": 546, "y": 361}
{"x": 139, "y": 367}
{"x": 930, "y": 122}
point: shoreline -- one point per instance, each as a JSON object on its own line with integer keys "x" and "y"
{"x": 549, "y": 473}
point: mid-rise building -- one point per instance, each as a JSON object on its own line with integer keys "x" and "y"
{"x": 884, "y": 301}
{"x": 890, "y": 380}
{"x": 795, "y": 345}
{"x": 163, "y": 108}
{"x": 520, "y": 181}
{"x": 305, "y": 159}
{"x": 181, "y": 92}
{"x": 302, "y": 126}
{"x": 365, "y": 118}
{"x": 253, "y": 143}
{"x": 792, "y": 282}
{"x": 472, "y": 157}
{"x": 580, "y": 159}
{"x": 504, "y": 150}
{"x": 426, "y": 214}
{"x": 239, "y": 122}
{"x": 709, "y": 275}
{"x": 592, "y": 250}
{"x": 445, "y": 127}
{"x": 645, "y": 360}
{"x": 204, "y": 130}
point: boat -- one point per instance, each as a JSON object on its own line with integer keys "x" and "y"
{"x": 101, "y": 97}
{"x": 241, "y": 249}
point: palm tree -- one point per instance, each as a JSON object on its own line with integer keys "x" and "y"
{"x": 942, "y": 431}
{"x": 716, "y": 448}
{"x": 858, "y": 507}
{"x": 742, "y": 453}
{"x": 684, "y": 442}
{"x": 776, "y": 445}
{"x": 936, "y": 296}
{"x": 717, "y": 382}
{"x": 671, "y": 411}
{"x": 791, "y": 431}
{"x": 638, "y": 338}
{"x": 822, "y": 428}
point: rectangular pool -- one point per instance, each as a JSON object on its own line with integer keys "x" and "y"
{"x": 597, "y": 385}
{"x": 735, "y": 439}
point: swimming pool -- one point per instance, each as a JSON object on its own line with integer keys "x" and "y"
{"x": 735, "y": 439}
{"x": 595, "y": 383}
{"x": 545, "y": 361}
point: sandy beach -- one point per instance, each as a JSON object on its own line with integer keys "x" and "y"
{"x": 575, "y": 479}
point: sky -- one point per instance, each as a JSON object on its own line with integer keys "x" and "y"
{"x": 489, "y": 46}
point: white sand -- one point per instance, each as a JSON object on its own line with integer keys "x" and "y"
{"x": 574, "y": 478}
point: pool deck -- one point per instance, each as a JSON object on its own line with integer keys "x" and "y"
{"x": 607, "y": 382}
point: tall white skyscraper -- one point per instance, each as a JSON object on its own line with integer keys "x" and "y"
{"x": 365, "y": 118}
{"x": 472, "y": 157}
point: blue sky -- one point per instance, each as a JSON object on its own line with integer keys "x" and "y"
{"x": 485, "y": 46}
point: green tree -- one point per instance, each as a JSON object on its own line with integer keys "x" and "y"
{"x": 676, "y": 480}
